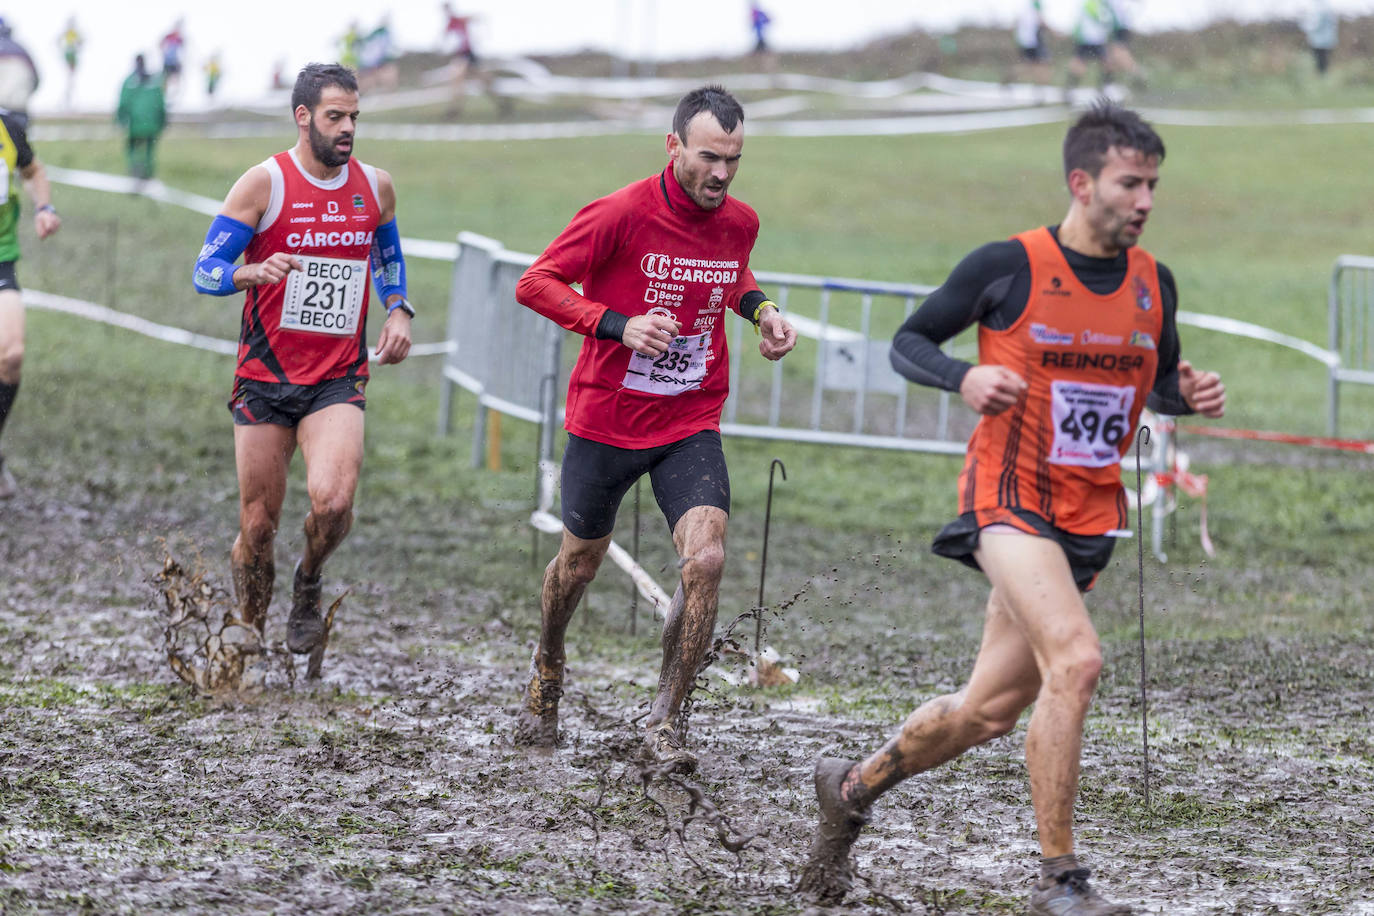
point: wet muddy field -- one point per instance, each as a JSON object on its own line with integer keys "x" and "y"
{"x": 390, "y": 784}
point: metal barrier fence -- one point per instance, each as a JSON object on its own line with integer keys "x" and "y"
{"x": 1350, "y": 316}
{"x": 836, "y": 388}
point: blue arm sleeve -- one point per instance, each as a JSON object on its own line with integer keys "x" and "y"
{"x": 388, "y": 264}
{"x": 226, "y": 240}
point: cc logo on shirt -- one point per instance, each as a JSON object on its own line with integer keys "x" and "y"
{"x": 655, "y": 266}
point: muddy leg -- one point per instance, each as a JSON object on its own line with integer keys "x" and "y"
{"x": 565, "y": 580}
{"x": 672, "y": 638}
{"x": 1004, "y": 682}
{"x": 254, "y": 576}
{"x": 687, "y": 631}
{"x": 262, "y": 453}
{"x": 331, "y": 442}
{"x": 700, "y": 540}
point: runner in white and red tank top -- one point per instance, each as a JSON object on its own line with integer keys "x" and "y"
{"x": 313, "y": 223}
{"x": 311, "y": 328}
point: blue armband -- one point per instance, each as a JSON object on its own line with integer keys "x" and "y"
{"x": 388, "y": 264}
{"x": 225, "y": 241}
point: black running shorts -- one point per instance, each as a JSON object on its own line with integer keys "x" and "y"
{"x": 1088, "y": 555}
{"x": 684, "y": 474}
{"x": 8, "y": 279}
{"x": 282, "y": 404}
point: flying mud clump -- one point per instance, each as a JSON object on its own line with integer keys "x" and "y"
{"x": 214, "y": 650}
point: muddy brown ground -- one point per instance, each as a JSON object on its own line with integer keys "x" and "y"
{"x": 390, "y": 785}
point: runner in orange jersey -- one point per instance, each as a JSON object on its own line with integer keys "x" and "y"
{"x": 1076, "y": 332}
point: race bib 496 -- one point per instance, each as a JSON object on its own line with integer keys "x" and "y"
{"x": 326, "y": 297}
{"x": 1089, "y": 422}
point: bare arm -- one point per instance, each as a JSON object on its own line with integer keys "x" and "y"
{"x": 386, "y": 196}
{"x": 45, "y": 218}
{"x": 247, "y": 202}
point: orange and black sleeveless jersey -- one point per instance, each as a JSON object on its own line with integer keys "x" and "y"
{"x": 1093, "y": 337}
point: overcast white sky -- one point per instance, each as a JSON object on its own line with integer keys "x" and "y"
{"x": 253, "y": 34}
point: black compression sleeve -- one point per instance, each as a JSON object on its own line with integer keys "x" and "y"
{"x": 1164, "y": 396}
{"x": 611, "y": 326}
{"x": 975, "y": 290}
{"x": 749, "y": 304}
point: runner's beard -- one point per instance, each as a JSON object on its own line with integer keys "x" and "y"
{"x": 324, "y": 150}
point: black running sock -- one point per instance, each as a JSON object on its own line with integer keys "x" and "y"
{"x": 1057, "y": 865}
{"x": 8, "y": 393}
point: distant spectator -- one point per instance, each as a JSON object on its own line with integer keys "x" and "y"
{"x": 70, "y": 42}
{"x": 279, "y": 75}
{"x": 18, "y": 76}
{"x": 143, "y": 112}
{"x": 377, "y": 59}
{"x": 349, "y": 43}
{"x": 1321, "y": 27}
{"x": 172, "y": 45}
{"x": 458, "y": 35}
{"x": 1032, "y": 43}
{"x": 465, "y": 63}
{"x": 1121, "y": 63}
{"x": 214, "y": 71}
{"x": 759, "y": 22}
{"x": 1091, "y": 31}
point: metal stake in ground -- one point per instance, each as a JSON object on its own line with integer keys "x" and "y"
{"x": 763, "y": 559}
{"x": 634, "y": 587}
{"x": 1144, "y": 434}
{"x": 543, "y": 451}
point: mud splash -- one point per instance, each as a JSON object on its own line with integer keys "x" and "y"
{"x": 211, "y": 648}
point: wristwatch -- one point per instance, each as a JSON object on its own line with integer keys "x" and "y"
{"x": 404, "y": 305}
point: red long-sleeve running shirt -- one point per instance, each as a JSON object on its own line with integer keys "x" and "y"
{"x": 646, "y": 249}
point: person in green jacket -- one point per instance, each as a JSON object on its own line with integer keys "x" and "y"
{"x": 143, "y": 112}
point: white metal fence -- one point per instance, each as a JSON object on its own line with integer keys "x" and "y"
{"x": 836, "y": 388}
{"x": 1350, "y": 316}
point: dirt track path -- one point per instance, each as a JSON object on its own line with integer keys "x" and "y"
{"x": 390, "y": 785}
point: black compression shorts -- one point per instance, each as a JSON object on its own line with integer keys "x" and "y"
{"x": 1088, "y": 555}
{"x": 256, "y": 402}
{"x": 1090, "y": 52}
{"x": 8, "y": 278}
{"x": 684, "y": 474}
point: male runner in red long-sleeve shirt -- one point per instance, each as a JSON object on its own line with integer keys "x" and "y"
{"x": 659, "y": 261}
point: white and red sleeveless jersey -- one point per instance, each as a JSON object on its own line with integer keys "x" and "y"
{"x": 312, "y": 326}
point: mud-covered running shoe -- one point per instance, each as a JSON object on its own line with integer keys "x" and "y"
{"x": 663, "y": 747}
{"x": 828, "y": 874}
{"x": 305, "y": 626}
{"x": 537, "y": 725}
{"x": 8, "y": 485}
{"x": 1069, "y": 894}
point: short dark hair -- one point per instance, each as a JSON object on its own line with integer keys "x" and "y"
{"x": 315, "y": 78}
{"x": 1102, "y": 127}
{"x": 723, "y": 106}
